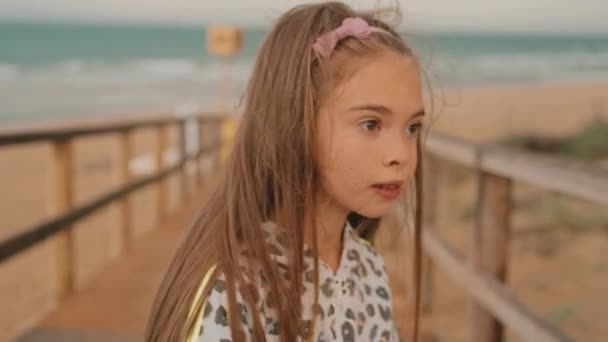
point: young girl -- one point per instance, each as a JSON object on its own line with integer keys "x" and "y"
{"x": 328, "y": 142}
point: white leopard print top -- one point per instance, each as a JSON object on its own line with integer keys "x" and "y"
{"x": 354, "y": 303}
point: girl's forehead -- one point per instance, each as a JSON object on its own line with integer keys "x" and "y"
{"x": 389, "y": 79}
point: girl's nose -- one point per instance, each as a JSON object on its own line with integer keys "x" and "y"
{"x": 396, "y": 153}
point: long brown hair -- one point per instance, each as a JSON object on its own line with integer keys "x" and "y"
{"x": 271, "y": 175}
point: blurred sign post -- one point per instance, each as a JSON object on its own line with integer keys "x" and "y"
{"x": 226, "y": 42}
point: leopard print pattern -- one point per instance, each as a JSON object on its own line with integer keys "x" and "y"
{"x": 354, "y": 302}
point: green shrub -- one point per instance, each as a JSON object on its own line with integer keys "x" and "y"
{"x": 590, "y": 143}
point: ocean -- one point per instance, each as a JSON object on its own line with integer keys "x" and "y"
{"x": 50, "y": 71}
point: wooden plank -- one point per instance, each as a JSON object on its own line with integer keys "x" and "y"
{"x": 218, "y": 136}
{"x": 62, "y": 164}
{"x": 52, "y": 334}
{"x": 453, "y": 149}
{"x": 117, "y": 301}
{"x": 199, "y": 155}
{"x": 162, "y": 137}
{"x": 183, "y": 155}
{"x": 432, "y": 180}
{"x": 489, "y": 292}
{"x": 491, "y": 247}
{"x": 125, "y": 177}
{"x": 61, "y": 222}
{"x": 572, "y": 177}
{"x": 26, "y": 134}
{"x": 40, "y": 232}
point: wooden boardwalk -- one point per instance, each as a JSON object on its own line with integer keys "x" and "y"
{"x": 115, "y": 303}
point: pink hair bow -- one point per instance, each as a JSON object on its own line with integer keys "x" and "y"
{"x": 351, "y": 27}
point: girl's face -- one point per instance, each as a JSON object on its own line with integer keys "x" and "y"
{"x": 367, "y": 132}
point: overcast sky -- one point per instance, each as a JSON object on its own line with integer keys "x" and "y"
{"x": 469, "y": 15}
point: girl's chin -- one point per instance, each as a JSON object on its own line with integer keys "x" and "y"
{"x": 377, "y": 211}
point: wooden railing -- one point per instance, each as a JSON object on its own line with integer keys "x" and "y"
{"x": 483, "y": 277}
{"x": 67, "y": 213}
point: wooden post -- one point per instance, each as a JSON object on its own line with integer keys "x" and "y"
{"x": 199, "y": 154}
{"x": 125, "y": 177}
{"x": 491, "y": 247}
{"x": 183, "y": 159}
{"x": 432, "y": 178}
{"x": 162, "y": 136}
{"x": 63, "y": 201}
{"x": 228, "y": 129}
{"x": 217, "y": 145}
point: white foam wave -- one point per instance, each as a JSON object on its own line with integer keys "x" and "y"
{"x": 523, "y": 66}
{"x": 78, "y": 72}
{"x": 8, "y": 72}
{"x": 171, "y": 67}
{"x": 73, "y": 66}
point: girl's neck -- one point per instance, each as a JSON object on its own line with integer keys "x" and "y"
{"x": 330, "y": 221}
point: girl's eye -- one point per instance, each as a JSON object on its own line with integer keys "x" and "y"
{"x": 371, "y": 125}
{"x": 414, "y": 129}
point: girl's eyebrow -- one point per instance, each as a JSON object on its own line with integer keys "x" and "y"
{"x": 380, "y": 109}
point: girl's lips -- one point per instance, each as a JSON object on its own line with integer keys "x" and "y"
{"x": 388, "y": 190}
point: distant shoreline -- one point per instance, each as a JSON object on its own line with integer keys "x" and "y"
{"x": 9, "y": 123}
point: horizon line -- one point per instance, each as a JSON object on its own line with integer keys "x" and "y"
{"x": 251, "y": 25}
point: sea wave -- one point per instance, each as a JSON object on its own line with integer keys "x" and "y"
{"x": 75, "y": 85}
{"x": 545, "y": 66}
{"x": 8, "y": 72}
{"x": 73, "y": 66}
{"x": 133, "y": 72}
{"x": 454, "y": 68}
{"x": 170, "y": 67}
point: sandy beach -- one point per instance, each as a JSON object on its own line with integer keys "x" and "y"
{"x": 493, "y": 112}
{"x": 565, "y": 285}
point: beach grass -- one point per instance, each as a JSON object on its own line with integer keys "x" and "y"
{"x": 590, "y": 143}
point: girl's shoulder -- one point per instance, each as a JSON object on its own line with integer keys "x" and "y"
{"x": 212, "y": 322}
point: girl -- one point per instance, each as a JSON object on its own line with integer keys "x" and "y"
{"x": 327, "y": 143}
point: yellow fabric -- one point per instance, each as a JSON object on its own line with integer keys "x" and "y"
{"x": 361, "y": 240}
{"x": 194, "y": 334}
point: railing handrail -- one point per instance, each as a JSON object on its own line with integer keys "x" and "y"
{"x": 489, "y": 291}
{"x": 553, "y": 173}
{"x": 564, "y": 175}
{"x": 483, "y": 276}
{"x": 66, "y": 212}
{"x": 41, "y": 231}
{"x": 66, "y": 130}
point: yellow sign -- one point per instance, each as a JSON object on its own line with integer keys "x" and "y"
{"x": 224, "y": 40}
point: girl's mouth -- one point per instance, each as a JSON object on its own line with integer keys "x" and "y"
{"x": 388, "y": 190}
